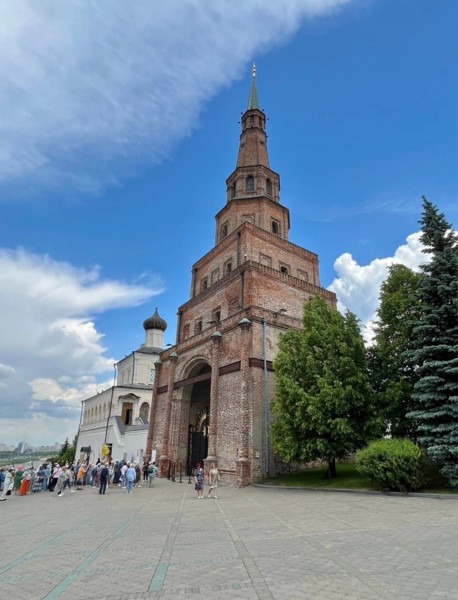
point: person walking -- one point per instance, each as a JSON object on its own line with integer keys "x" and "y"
{"x": 213, "y": 480}
{"x": 7, "y": 484}
{"x": 199, "y": 479}
{"x": 61, "y": 482}
{"x": 131, "y": 475}
{"x": 104, "y": 475}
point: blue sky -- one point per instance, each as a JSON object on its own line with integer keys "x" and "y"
{"x": 119, "y": 126}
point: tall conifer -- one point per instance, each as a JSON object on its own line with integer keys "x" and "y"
{"x": 435, "y": 344}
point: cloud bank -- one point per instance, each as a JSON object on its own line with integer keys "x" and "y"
{"x": 358, "y": 286}
{"x": 52, "y": 355}
{"x": 89, "y": 89}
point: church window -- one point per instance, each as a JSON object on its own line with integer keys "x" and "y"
{"x": 204, "y": 284}
{"x": 224, "y": 230}
{"x": 186, "y": 329}
{"x": 198, "y": 326}
{"x": 217, "y": 315}
{"x": 252, "y": 120}
{"x": 275, "y": 227}
{"x": 151, "y": 374}
{"x": 268, "y": 187}
{"x": 250, "y": 183}
{"x": 228, "y": 266}
{"x": 233, "y": 191}
{"x": 144, "y": 412}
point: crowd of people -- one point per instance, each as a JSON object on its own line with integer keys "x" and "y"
{"x": 58, "y": 479}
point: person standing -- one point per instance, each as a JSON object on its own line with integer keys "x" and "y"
{"x": 104, "y": 475}
{"x": 152, "y": 472}
{"x": 123, "y": 475}
{"x": 131, "y": 475}
{"x": 7, "y": 484}
{"x": 80, "y": 476}
{"x": 18, "y": 478}
{"x": 213, "y": 479}
{"x": 199, "y": 479}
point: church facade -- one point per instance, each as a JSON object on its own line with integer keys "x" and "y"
{"x": 213, "y": 389}
{"x": 116, "y": 419}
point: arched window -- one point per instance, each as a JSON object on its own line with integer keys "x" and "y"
{"x": 144, "y": 412}
{"x": 276, "y": 227}
{"x": 268, "y": 187}
{"x": 224, "y": 230}
{"x": 250, "y": 183}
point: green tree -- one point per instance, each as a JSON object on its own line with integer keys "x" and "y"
{"x": 392, "y": 366}
{"x": 67, "y": 452}
{"x": 323, "y": 398}
{"x": 435, "y": 345}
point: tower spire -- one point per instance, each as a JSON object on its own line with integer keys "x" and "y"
{"x": 253, "y": 100}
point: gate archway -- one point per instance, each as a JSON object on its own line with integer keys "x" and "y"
{"x": 199, "y": 418}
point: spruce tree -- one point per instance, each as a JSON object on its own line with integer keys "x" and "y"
{"x": 435, "y": 345}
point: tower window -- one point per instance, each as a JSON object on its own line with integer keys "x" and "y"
{"x": 204, "y": 284}
{"x": 217, "y": 315}
{"x": 228, "y": 266}
{"x": 250, "y": 183}
{"x": 269, "y": 187}
{"x": 224, "y": 230}
{"x": 275, "y": 227}
{"x": 233, "y": 191}
{"x": 198, "y": 326}
{"x": 252, "y": 120}
{"x": 284, "y": 268}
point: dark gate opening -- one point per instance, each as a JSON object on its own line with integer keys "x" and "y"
{"x": 198, "y": 441}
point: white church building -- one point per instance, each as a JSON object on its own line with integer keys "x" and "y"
{"x": 118, "y": 416}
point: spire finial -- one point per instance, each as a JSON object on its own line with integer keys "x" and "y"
{"x": 253, "y": 100}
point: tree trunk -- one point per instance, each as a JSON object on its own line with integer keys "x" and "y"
{"x": 331, "y": 469}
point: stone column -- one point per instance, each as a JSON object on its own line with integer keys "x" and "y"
{"x": 164, "y": 459}
{"x": 213, "y": 428}
{"x": 152, "y": 412}
{"x": 243, "y": 465}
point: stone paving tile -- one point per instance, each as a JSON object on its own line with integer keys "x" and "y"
{"x": 260, "y": 544}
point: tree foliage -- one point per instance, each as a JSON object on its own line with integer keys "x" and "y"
{"x": 392, "y": 366}
{"x": 323, "y": 399}
{"x": 435, "y": 345}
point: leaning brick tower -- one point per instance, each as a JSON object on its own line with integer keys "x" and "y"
{"x": 213, "y": 389}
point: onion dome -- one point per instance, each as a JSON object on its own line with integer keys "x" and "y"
{"x": 155, "y": 322}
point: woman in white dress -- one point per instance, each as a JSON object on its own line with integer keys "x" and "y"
{"x": 213, "y": 479}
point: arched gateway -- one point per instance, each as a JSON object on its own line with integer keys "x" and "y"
{"x": 213, "y": 388}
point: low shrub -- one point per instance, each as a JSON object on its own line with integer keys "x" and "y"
{"x": 394, "y": 464}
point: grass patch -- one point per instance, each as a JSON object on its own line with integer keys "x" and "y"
{"x": 348, "y": 478}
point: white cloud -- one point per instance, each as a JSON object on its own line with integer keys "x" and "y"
{"x": 358, "y": 287}
{"x": 52, "y": 354}
{"x": 86, "y": 84}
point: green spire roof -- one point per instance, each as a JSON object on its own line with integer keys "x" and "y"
{"x": 253, "y": 100}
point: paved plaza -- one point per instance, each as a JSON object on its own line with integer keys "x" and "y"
{"x": 256, "y": 543}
